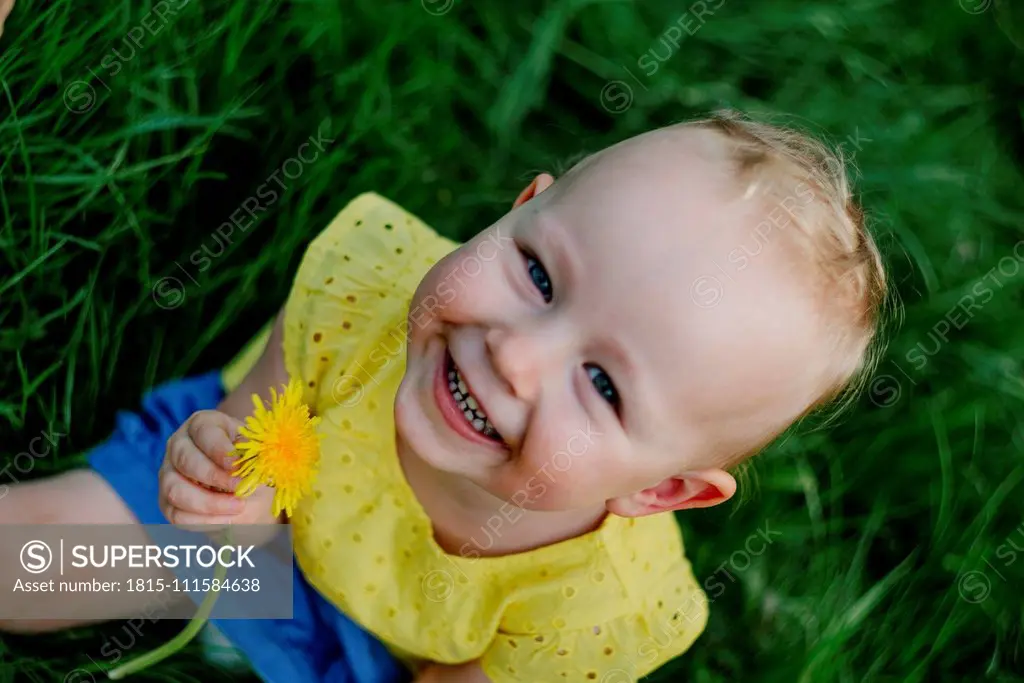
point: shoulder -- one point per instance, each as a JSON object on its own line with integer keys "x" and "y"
{"x": 668, "y": 609}
{"x": 639, "y": 607}
{"x": 373, "y": 227}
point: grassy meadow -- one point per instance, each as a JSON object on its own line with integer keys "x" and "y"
{"x": 887, "y": 548}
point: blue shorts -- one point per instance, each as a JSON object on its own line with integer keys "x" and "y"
{"x": 319, "y": 643}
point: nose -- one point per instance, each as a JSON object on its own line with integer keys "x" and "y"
{"x": 523, "y": 356}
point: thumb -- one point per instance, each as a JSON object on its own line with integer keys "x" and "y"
{"x": 232, "y": 425}
{"x": 218, "y": 438}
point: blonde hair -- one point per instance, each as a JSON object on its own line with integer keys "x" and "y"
{"x": 773, "y": 161}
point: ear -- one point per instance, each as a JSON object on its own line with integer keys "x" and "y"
{"x": 538, "y": 185}
{"x": 687, "y": 491}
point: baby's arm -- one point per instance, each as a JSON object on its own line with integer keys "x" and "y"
{"x": 460, "y": 673}
{"x": 269, "y": 371}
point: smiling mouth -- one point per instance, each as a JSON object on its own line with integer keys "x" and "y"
{"x": 471, "y": 409}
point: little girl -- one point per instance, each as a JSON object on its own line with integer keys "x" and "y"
{"x": 508, "y": 425}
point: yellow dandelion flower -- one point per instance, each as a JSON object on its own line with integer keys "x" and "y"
{"x": 282, "y": 451}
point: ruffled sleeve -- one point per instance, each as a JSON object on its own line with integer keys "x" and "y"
{"x": 351, "y": 286}
{"x": 665, "y": 623}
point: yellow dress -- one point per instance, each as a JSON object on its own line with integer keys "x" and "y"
{"x": 609, "y": 606}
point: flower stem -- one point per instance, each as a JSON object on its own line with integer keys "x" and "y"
{"x": 179, "y": 641}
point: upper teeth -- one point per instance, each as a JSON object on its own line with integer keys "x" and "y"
{"x": 471, "y": 410}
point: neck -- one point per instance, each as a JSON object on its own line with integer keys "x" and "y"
{"x": 467, "y": 520}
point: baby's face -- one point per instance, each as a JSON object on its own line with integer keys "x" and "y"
{"x": 594, "y": 368}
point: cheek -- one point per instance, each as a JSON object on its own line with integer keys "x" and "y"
{"x": 432, "y": 299}
{"x": 567, "y": 458}
{"x": 460, "y": 288}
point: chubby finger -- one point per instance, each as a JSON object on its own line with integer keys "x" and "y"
{"x": 189, "y": 461}
{"x": 214, "y": 433}
{"x": 182, "y": 494}
{"x": 198, "y": 522}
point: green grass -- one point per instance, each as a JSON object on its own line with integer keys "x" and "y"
{"x": 874, "y": 524}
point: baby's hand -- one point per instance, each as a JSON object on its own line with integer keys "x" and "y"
{"x": 196, "y": 486}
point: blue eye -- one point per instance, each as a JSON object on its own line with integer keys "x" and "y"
{"x": 540, "y": 277}
{"x": 603, "y": 383}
